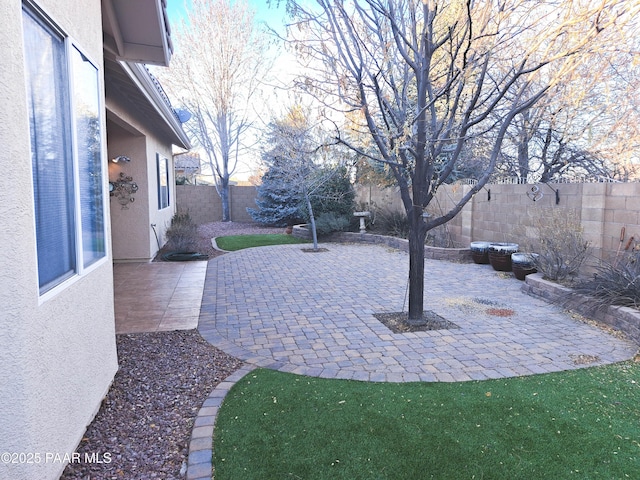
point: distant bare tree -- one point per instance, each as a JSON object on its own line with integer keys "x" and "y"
{"x": 219, "y": 63}
{"x": 426, "y": 76}
{"x": 543, "y": 145}
{"x": 588, "y": 127}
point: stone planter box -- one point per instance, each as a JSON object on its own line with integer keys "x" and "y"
{"x": 302, "y": 231}
{"x": 623, "y": 319}
{"x": 461, "y": 255}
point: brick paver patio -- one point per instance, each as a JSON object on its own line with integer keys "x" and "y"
{"x": 312, "y": 313}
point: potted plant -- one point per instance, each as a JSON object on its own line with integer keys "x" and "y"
{"x": 523, "y": 264}
{"x": 480, "y": 252}
{"x": 500, "y": 255}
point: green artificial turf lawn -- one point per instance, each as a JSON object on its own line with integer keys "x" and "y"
{"x": 232, "y": 243}
{"x": 582, "y": 424}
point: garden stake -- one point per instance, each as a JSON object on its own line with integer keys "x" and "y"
{"x": 406, "y": 291}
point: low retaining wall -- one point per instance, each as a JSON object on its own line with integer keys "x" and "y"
{"x": 624, "y": 319}
{"x": 462, "y": 255}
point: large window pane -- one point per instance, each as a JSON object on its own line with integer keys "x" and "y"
{"x": 63, "y": 90}
{"x": 51, "y": 155}
{"x": 88, "y": 138}
{"x": 163, "y": 182}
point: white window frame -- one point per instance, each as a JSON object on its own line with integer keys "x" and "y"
{"x": 71, "y": 47}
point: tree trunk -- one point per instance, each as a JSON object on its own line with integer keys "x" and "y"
{"x": 224, "y": 199}
{"x": 417, "y": 235}
{"x": 313, "y": 222}
{"x": 523, "y": 158}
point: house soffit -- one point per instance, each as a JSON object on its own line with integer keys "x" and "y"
{"x": 138, "y": 89}
{"x": 137, "y": 30}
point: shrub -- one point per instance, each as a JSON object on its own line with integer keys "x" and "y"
{"x": 331, "y": 222}
{"x": 182, "y": 234}
{"x": 616, "y": 283}
{"x": 439, "y": 237}
{"x": 392, "y": 222}
{"x": 559, "y": 243}
{"x": 331, "y": 192}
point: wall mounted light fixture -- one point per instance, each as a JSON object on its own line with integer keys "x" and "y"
{"x": 556, "y": 191}
{"x": 121, "y": 159}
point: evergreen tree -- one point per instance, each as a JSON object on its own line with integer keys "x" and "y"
{"x": 300, "y": 183}
{"x": 288, "y": 162}
{"x": 277, "y": 200}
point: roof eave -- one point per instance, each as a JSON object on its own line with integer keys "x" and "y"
{"x": 143, "y": 80}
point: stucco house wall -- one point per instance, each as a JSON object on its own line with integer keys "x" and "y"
{"x": 161, "y": 218}
{"x": 129, "y": 240}
{"x": 57, "y": 352}
{"x": 132, "y": 231}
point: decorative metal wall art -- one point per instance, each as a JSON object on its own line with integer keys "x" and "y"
{"x": 534, "y": 193}
{"x": 123, "y": 189}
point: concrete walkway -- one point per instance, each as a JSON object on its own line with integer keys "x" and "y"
{"x": 312, "y": 313}
{"x": 158, "y": 296}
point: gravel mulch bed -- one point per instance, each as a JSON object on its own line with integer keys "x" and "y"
{"x": 146, "y": 419}
{"x": 207, "y": 231}
{"x": 398, "y": 322}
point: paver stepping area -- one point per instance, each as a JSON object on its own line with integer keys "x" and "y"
{"x": 313, "y": 313}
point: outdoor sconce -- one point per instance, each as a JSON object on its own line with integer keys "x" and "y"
{"x": 123, "y": 189}
{"x": 556, "y": 191}
{"x": 121, "y": 159}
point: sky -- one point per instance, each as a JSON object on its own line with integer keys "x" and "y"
{"x": 273, "y": 15}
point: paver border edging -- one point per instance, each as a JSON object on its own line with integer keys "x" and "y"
{"x": 200, "y": 460}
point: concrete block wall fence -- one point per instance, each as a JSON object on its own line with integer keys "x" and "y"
{"x": 609, "y": 212}
{"x": 204, "y": 205}
{"x": 241, "y": 198}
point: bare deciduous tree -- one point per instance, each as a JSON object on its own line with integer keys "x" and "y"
{"x": 426, "y": 76}
{"x": 216, "y": 73}
{"x": 587, "y": 127}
